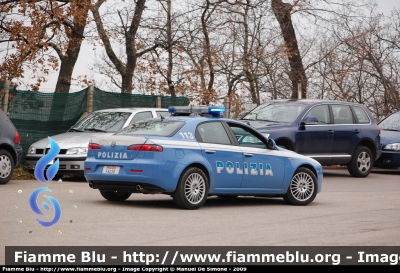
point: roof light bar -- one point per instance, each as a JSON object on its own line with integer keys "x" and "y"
{"x": 215, "y": 111}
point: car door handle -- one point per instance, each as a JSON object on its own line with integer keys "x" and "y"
{"x": 210, "y": 152}
{"x": 356, "y": 131}
{"x": 330, "y": 132}
{"x": 248, "y": 155}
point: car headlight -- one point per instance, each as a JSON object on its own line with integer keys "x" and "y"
{"x": 392, "y": 146}
{"x": 32, "y": 150}
{"x": 77, "y": 151}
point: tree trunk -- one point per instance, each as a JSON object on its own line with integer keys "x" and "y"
{"x": 127, "y": 69}
{"x": 68, "y": 60}
{"x": 171, "y": 85}
{"x": 297, "y": 73}
{"x": 210, "y": 92}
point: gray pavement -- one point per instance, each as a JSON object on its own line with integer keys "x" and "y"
{"x": 348, "y": 212}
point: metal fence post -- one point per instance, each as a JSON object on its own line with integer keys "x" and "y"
{"x": 299, "y": 91}
{"x": 6, "y": 92}
{"x": 89, "y": 104}
{"x": 158, "y": 102}
{"x": 227, "y": 107}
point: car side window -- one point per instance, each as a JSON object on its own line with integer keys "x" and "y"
{"x": 362, "y": 117}
{"x": 213, "y": 132}
{"x": 246, "y": 138}
{"x": 342, "y": 114}
{"x": 321, "y": 112}
{"x": 141, "y": 116}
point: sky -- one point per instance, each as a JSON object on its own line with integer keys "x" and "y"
{"x": 87, "y": 55}
{"x": 387, "y": 5}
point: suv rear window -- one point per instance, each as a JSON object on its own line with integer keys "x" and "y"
{"x": 361, "y": 115}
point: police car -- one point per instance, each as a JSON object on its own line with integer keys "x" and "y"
{"x": 194, "y": 154}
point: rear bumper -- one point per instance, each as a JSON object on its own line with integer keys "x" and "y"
{"x": 133, "y": 187}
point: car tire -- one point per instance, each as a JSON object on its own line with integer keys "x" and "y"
{"x": 361, "y": 162}
{"x": 192, "y": 190}
{"x": 302, "y": 189}
{"x": 116, "y": 196}
{"x": 6, "y": 167}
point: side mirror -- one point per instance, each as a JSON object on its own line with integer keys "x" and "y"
{"x": 311, "y": 120}
{"x": 243, "y": 114}
{"x": 271, "y": 143}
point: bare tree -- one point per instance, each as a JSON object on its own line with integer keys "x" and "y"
{"x": 162, "y": 61}
{"x": 364, "y": 65}
{"x": 297, "y": 74}
{"x": 125, "y": 31}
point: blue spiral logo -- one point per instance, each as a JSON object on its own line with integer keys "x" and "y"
{"x": 50, "y": 173}
{"x": 46, "y": 159}
{"x": 35, "y": 208}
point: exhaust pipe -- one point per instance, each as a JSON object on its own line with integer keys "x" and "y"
{"x": 138, "y": 187}
{"x": 91, "y": 185}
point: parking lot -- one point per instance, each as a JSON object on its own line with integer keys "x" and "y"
{"x": 348, "y": 212}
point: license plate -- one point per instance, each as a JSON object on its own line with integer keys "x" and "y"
{"x": 111, "y": 169}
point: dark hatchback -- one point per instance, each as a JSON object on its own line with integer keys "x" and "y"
{"x": 332, "y": 132}
{"x": 10, "y": 148}
{"x": 390, "y": 140}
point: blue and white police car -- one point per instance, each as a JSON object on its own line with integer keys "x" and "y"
{"x": 194, "y": 154}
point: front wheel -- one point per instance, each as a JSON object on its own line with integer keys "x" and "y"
{"x": 117, "y": 196}
{"x": 6, "y": 167}
{"x": 361, "y": 162}
{"x": 192, "y": 190}
{"x": 302, "y": 189}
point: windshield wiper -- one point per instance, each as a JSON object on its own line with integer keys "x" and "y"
{"x": 267, "y": 120}
{"x": 75, "y": 130}
{"x": 96, "y": 130}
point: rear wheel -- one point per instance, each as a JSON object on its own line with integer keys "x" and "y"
{"x": 192, "y": 190}
{"x": 302, "y": 189}
{"x": 115, "y": 195}
{"x": 6, "y": 167}
{"x": 361, "y": 162}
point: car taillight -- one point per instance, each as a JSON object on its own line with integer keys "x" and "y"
{"x": 17, "y": 138}
{"x": 94, "y": 146}
{"x": 146, "y": 147}
{"x": 379, "y": 131}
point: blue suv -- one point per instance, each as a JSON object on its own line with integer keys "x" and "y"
{"x": 332, "y": 132}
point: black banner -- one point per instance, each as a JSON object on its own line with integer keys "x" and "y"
{"x": 191, "y": 257}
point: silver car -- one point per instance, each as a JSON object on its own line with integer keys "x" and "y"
{"x": 74, "y": 143}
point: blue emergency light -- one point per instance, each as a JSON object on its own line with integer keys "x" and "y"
{"x": 215, "y": 111}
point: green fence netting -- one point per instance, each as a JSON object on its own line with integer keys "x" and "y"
{"x": 38, "y": 115}
{"x": 104, "y": 100}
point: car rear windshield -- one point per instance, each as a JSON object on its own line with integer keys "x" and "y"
{"x": 159, "y": 127}
{"x": 275, "y": 112}
{"x": 102, "y": 122}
